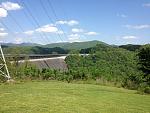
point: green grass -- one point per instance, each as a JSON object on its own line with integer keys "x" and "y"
{"x": 59, "y": 97}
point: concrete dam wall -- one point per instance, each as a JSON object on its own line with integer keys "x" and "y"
{"x": 53, "y": 63}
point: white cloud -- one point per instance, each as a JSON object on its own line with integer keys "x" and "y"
{"x": 73, "y": 22}
{"x": 18, "y": 40}
{"x": 61, "y": 22}
{"x": 144, "y": 26}
{"x": 129, "y": 37}
{"x": 75, "y": 30}
{"x": 91, "y": 33}
{"x": 146, "y": 5}
{"x": 48, "y": 29}
{"x": 59, "y": 32}
{"x": 3, "y": 12}
{"x": 10, "y": 6}
{"x": 30, "y": 32}
{"x": 74, "y": 37}
{"x": 2, "y": 29}
{"x": 3, "y": 34}
{"x": 70, "y": 22}
{"x": 122, "y": 15}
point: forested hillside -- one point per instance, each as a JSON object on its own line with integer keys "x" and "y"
{"x": 60, "y": 48}
{"x": 109, "y": 64}
{"x": 76, "y": 45}
{"x": 33, "y": 50}
{"x": 130, "y": 47}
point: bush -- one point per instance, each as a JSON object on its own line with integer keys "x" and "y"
{"x": 147, "y": 90}
{"x": 68, "y": 78}
{"x": 144, "y": 88}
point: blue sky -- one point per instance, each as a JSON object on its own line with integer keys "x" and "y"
{"x": 50, "y": 21}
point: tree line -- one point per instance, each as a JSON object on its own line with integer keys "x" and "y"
{"x": 104, "y": 65}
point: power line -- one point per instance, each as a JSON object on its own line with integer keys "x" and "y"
{"x": 65, "y": 14}
{"x": 36, "y": 22}
{"x": 16, "y": 22}
{"x": 56, "y": 17}
{"x": 31, "y": 22}
{"x": 46, "y": 12}
{"x": 9, "y": 30}
{"x": 34, "y": 19}
{"x": 19, "y": 26}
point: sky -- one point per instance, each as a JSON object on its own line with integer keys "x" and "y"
{"x": 51, "y": 21}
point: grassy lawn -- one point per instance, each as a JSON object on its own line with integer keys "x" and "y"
{"x": 59, "y": 97}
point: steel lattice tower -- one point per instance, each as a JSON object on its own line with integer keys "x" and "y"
{"x": 3, "y": 66}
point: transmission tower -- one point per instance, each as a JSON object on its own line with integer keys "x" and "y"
{"x": 3, "y": 66}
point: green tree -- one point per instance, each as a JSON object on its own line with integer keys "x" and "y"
{"x": 144, "y": 61}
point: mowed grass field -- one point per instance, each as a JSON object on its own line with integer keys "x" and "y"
{"x": 60, "y": 97}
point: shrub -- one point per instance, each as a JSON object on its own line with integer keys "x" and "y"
{"x": 144, "y": 87}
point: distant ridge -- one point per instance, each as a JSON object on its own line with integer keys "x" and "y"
{"x": 64, "y": 45}
{"x": 60, "y": 48}
{"x": 21, "y": 44}
{"x": 76, "y": 45}
{"x": 130, "y": 47}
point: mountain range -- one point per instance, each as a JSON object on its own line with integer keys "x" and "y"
{"x": 33, "y": 48}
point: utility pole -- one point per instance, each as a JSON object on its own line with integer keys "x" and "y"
{"x": 3, "y": 66}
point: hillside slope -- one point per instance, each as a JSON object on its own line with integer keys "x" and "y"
{"x": 60, "y": 48}
{"x": 76, "y": 45}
